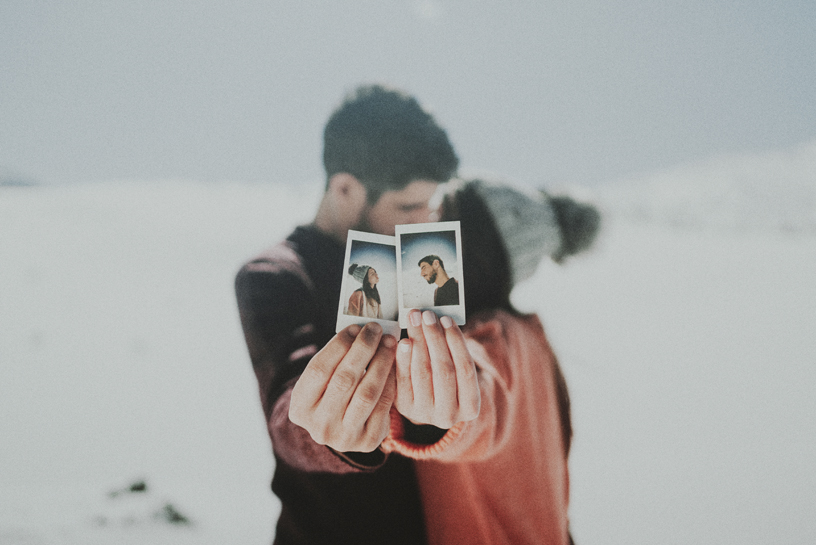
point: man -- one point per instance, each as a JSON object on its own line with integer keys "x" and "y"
{"x": 384, "y": 157}
{"x": 493, "y": 388}
{"x": 432, "y": 270}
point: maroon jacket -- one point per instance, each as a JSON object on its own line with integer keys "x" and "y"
{"x": 288, "y": 298}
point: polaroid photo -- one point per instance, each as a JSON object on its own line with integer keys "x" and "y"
{"x": 368, "y": 291}
{"x": 429, "y": 269}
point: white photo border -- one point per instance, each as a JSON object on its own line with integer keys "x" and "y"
{"x": 456, "y": 312}
{"x": 390, "y": 327}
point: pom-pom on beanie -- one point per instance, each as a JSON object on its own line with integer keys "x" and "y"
{"x": 579, "y": 224}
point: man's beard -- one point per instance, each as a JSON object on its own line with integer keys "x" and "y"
{"x": 432, "y": 278}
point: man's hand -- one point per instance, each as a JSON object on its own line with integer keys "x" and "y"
{"x": 436, "y": 377}
{"x": 344, "y": 395}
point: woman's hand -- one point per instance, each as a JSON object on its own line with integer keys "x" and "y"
{"x": 437, "y": 382}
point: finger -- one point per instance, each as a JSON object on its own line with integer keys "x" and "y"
{"x": 467, "y": 380}
{"x": 368, "y": 393}
{"x": 312, "y": 383}
{"x": 405, "y": 391}
{"x": 390, "y": 391}
{"x": 421, "y": 372}
{"x": 444, "y": 373}
{"x": 379, "y": 423}
{"x": 350, "y": 370}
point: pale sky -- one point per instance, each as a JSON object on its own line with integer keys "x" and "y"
{"x": 542, "y": 92}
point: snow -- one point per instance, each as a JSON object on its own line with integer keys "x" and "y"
{"x": 773, "y": 190}
{"x": 690, "y": 361}
{"x": 688, "y": 349}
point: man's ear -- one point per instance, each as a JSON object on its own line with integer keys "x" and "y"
{"x": 347, "y": 190}
{"x": 343, "y": 205}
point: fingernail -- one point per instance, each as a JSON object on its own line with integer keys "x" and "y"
{"x": 405, "y": 345}
{"x": 374, "y": 327}
{"x": 371, "y": 332}
{"x": 429, "y": 317}
{"x": 446, "y": 321}
{"x": 415, "y": 317}
{"x": 389, "y": 341}
{"x": 354, "y": 330}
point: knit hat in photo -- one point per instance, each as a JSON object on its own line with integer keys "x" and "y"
{"x": 533, "y": 225}
{"x": 359, "y": 272}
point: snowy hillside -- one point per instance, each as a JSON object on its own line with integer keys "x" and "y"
{"x": 769, "y": 191}
{"x": 689, "y": 355}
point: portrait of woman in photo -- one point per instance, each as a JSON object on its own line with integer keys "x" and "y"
{"x": 365, "y": 301}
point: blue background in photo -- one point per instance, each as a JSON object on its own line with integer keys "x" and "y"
{"x": 415, "y": 246}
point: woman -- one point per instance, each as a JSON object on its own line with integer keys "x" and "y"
{"x": 365, "y": 301}
{"x": 502, "y": 477}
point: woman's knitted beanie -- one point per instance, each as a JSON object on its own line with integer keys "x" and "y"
{"x": 359, "y": 272}
{"x": 532, "y": 224}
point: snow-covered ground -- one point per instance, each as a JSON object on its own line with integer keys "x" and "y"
{"x": 774, "y": 190}
{"x": 689, "y": 350}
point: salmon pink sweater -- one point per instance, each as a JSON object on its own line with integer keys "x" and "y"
{"x": 501, "y": 478}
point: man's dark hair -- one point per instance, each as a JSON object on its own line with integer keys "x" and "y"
{"x": 384, "y": 138}
{"x": 429, "y": 259}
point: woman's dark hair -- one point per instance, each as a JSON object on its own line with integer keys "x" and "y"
{"x": 371, "y": 292}
{"x": 486, "y": 267}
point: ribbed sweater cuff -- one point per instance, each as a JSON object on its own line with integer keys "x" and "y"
{"x": 396, "y": 442}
